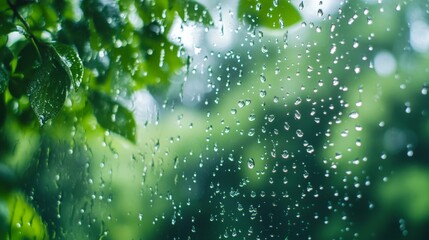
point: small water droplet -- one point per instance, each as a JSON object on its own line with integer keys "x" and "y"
{"x": 301, "y": 5}
{"x": 251, "y": 132}
{"x": 310, "y": 149}
{"x": 285, "y": 154}
{"x": 264, "y": 49}
{"x": 354, "y": 115}
{"x": 366, "y": 11}
{"x": 299, "y": 133}
{"x": 252, "y": 117}
{"x": 355, "y": 43}
{"x": 297, "y": 115}
{"x": 424, "y": 90}
{"x": 398, "y": 7}
{"x": 251, "y": 163}
{"x": 240, "y": 103}
{"x": 271, "y": 118}
{"x": 333, "y": 49}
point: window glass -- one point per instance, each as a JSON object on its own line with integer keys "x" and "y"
{"x": 249, "y": 119}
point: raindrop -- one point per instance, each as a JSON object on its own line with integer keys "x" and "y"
{"x": 424, "y": 90}
{"x": 333, "y": 48}
{"x": 251, "y": 163}
{"x": 358, "y": 127}
{"x": 297, "y": 115}
{"x": 310, "y": 149}
{"x": 366, "y": 11}
{"x": 354, "y": 115}
{"x": 251, "y": 132}
{"x": 264, "y": 49}
{"x": 320, "y": 12}
{"x": 262, "y": 93}
{"x": 355, "y": 43}
{"x": 301, "y": 5}
{"x": 286, "y": 126}
{"x": 357, "y": 69}
{"x": 252, "y": 117}
{"x": 240, "y": 103}
{"x": 285, "y": 154}
{"x": 276, "y": 99}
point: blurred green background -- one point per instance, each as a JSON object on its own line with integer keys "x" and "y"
{"x": 315, "y": 131}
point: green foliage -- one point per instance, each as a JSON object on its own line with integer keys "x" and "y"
{"x": 49, "y": 84}
{"x": 268, "y": 13}
{"x": 4, "y": 79}
{"x": 112, "y": 115}
{"x": 102, "y": 51}
{"x": 193, "y": 11}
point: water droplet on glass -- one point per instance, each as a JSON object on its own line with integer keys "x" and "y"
{"x": 251, "y": 132}
{"x": 424, "y": 90}
{"x": 264, "y": 49}
{"x": 240, "y": 103}
{"x": 251, "y": 163}
{"x": 354, "y": 115}
{"x": 355, "y": 43}
{"x": 285, "y": 154}
{"x": 252, "y": 117}
{"x": 333, "y": 49}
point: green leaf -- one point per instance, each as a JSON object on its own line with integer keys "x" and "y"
{"x": 72, "y": 64}
{"x": 47, "y": 90}
{"x": 112, "y": 116}
{"x": 106, "y": 16}
{"x": 161, "y": 64}
{"x": 268, "y": 13}
{"x": 3, "y": 40}
{"x": 6, "y": 56}
{"x": 3, "y": 113}
{"x": 21, "y": 211}
{"x": 194, "y": 11}
{"x": 6, "y": 25}
{"x": 4, "y": 78}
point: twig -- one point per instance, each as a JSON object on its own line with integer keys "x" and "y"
{"x": 26, "y": 26}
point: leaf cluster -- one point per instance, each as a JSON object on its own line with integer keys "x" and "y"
{"x": 103, "y": 49}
